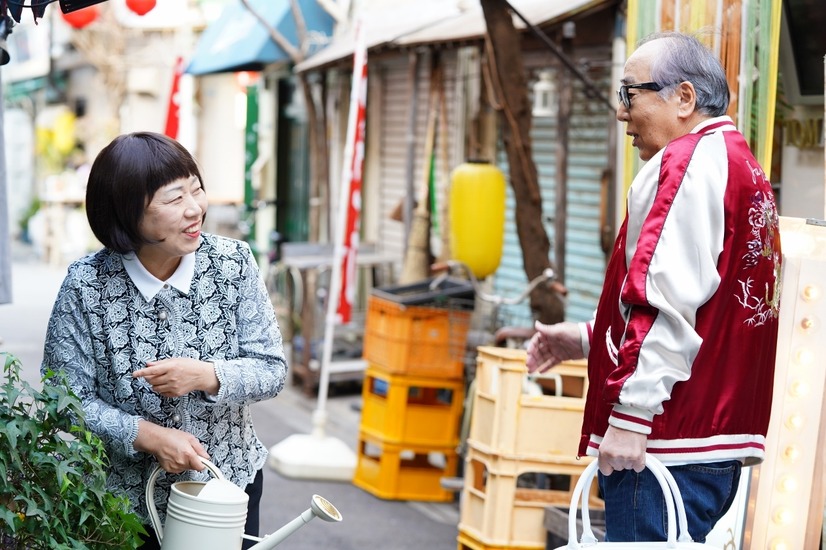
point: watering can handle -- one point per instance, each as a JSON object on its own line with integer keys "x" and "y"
{"x": 150, "y": 494}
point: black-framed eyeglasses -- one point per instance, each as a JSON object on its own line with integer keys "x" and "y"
{"x": 625, "y": 99}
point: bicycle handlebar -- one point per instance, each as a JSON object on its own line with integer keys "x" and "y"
{"x": 449, "y": 265}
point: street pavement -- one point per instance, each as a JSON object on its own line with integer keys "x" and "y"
{"x": 368, "y": 521}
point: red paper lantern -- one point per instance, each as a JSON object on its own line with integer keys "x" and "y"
{"x": 141, "y": 7}
{"x": 80, "y": 18}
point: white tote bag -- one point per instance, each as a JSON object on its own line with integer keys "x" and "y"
{"x": 673, "y": 501}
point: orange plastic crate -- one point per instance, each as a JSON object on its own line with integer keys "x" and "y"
{"x": 415, "y": 340}
{"x": 404, "y": 472}
{"x": 411, "y": 409}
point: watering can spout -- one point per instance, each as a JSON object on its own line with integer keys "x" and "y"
{"x": 319, "y": 507}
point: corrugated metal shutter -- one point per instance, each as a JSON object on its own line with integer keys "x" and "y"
{"x": 393, "y": 177}
{"x": 585, "y": 261}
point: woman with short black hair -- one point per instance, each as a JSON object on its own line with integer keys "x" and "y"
{"x": 167, "y": 334}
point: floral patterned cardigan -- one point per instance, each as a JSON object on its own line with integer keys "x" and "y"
{"x": 103, "y": 328}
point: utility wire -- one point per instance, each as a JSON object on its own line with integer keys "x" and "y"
{"x": 567, "y": 61}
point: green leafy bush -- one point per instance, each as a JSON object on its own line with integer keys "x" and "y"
{"x": 53, "y": 473}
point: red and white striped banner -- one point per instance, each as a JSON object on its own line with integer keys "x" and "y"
{"x": 352, "y": 179}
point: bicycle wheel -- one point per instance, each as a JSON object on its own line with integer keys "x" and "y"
{"x": 286, "y": 292}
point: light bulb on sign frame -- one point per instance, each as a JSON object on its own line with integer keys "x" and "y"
{"x": 804, "y": 357}
{"x": 795, "y": 421}
{"x": 791, "y": 454}
{"x": 809, "y": 324}
{"x": 783, "y": 516}
{"x": 798, "y": 388}
{"x": 810, "y": 293}
{"x": 787, "y": 484}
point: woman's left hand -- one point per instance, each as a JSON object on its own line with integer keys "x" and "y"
{"x": 178, "y": 376}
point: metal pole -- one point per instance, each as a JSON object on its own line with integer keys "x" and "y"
{"x": 5, "y": 239}
{"x": 565, "y": 106}
{"x": 410, "y": 186}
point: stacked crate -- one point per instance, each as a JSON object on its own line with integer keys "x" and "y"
{"x": 413, "y": 390}
{"x": 522, "y": 451}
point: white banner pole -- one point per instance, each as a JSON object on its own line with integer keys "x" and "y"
{"x": 316, "y": 455}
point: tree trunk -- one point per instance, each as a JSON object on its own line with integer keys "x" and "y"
{"x": 504, "y": 59}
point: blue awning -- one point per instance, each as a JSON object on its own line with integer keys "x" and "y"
{"x": 237, "y": 41}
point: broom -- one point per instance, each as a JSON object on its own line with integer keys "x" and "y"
{"x": 416, "y": 265}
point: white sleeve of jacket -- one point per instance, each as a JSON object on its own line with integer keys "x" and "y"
{"x": 681, "y": 276}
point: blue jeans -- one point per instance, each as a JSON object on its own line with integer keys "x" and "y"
{"x": 635, "y": 505}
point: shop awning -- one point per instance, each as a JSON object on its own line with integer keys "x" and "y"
{"x": 471, "y": 23}
{"x": 237, "y": 41}
{"x": 438, "y": 22}
{"x": 383, "y": 25}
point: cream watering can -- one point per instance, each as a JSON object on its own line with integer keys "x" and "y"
{"x": 211, "y": 515}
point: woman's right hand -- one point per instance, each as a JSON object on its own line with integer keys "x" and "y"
{"x": 174, "y": 449}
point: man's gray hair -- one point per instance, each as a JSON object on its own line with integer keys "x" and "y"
{"x": 686, "y": 59}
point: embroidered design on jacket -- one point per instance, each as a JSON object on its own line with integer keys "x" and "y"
{"x": 763, "y": 220}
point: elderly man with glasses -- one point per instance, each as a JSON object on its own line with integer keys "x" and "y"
{"x": 682, "y": 346}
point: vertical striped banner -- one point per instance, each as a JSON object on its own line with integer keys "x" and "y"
{"x": 767, "y": 67}
{"x": 351, "y": 180}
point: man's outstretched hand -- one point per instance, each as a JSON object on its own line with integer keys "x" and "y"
{"x": 552, "y": 344}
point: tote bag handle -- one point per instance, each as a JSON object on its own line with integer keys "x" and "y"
{"x": 673, "y": 502}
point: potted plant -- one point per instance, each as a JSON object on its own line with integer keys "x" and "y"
{"x": 53, "y": 473}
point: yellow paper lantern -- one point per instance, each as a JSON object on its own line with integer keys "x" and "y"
{"x": 476, "y": 212}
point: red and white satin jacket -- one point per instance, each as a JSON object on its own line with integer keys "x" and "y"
{"x": 682, "y": 346}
